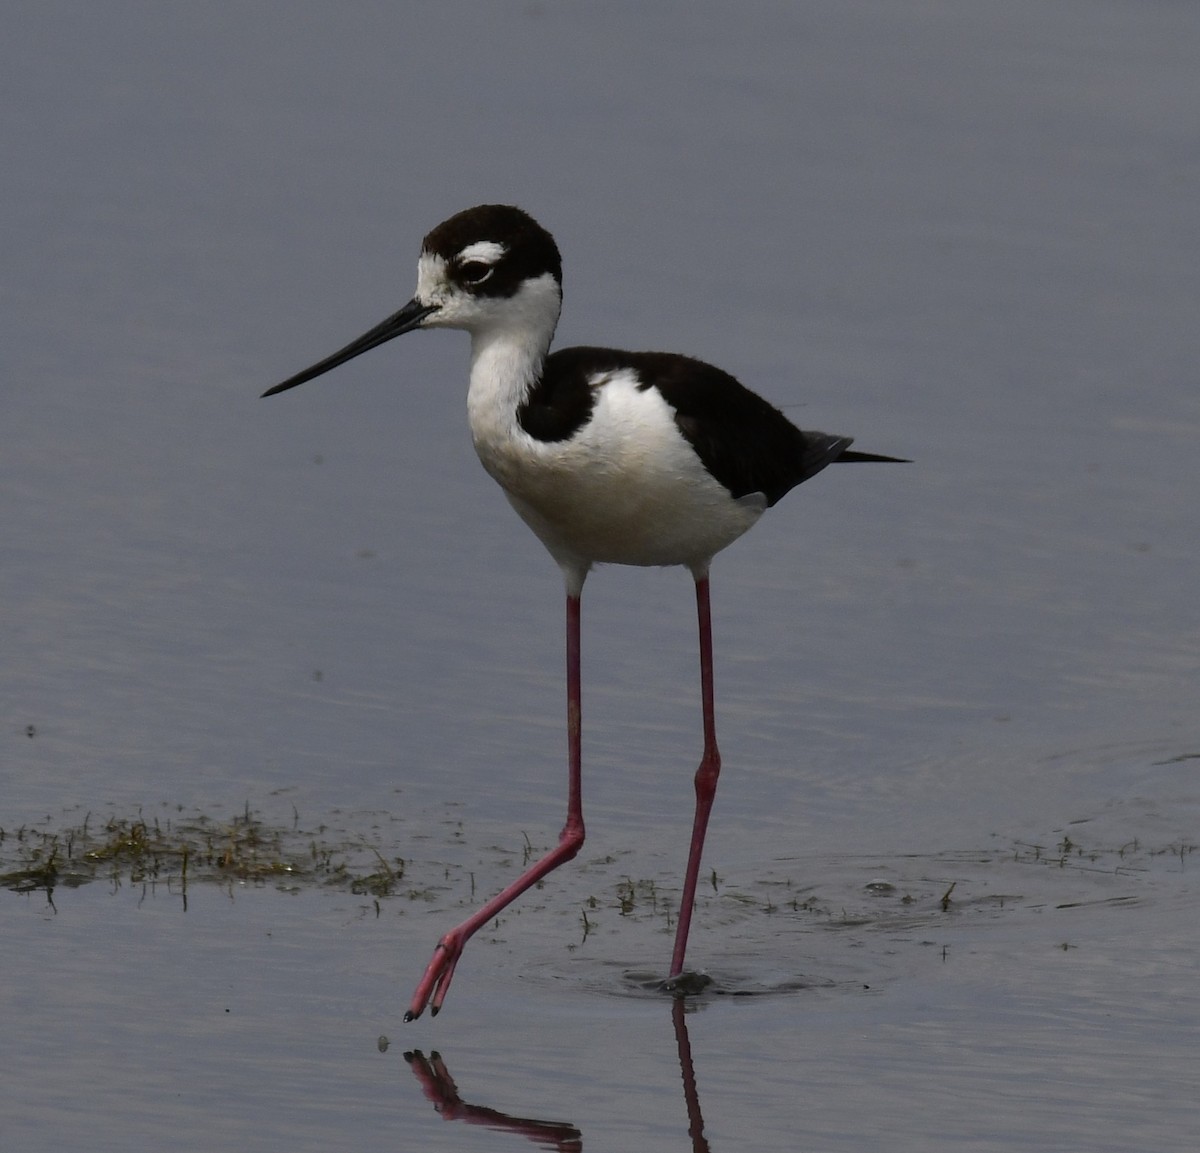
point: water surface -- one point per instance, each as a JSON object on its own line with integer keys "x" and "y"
{"x": 963, "y": 234}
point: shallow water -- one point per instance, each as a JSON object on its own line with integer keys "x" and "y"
{"x": 953, "y": 846}
{"x": 1012, "y": 993}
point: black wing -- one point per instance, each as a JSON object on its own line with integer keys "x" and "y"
{"x": 747, "y": 444}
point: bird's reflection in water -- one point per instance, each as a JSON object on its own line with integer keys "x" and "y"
{"x": 691, "y": 1095}
{"x": 439, "y": 1087}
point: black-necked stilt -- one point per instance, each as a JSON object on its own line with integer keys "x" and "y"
{"x": 641, "y": 458}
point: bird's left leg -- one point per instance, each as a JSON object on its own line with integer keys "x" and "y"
{"x": 706, "y": 775}
{"x": 435, "y": 983}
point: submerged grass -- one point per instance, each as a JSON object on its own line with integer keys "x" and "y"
{"x": 196, "y": 849}
{"x": 175, "y": 850}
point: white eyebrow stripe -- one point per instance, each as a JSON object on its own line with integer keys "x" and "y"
{"x": 485, "y": 251}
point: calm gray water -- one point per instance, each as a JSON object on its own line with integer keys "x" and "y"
{"x": 963, "y": 233}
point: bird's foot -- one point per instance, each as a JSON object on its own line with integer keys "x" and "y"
{"x": 686, "y": 984}
{"x": 435, "y": 982}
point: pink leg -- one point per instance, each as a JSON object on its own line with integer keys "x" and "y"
{"x": 435, "y": 983}
{"x": 706, "y": 777}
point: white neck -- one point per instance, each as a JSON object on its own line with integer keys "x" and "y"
{"x": 507, "y": 354}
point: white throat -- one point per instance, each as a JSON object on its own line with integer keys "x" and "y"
{"x": 509, "y": 343}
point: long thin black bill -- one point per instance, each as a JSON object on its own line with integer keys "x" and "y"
{"x": 408, "y": 318}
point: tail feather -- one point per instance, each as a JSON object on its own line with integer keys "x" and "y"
{"x": 819, "y": 449}
{"x": 855, "y": 457}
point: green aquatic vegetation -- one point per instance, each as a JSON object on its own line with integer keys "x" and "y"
{"x": 197, "y": 849}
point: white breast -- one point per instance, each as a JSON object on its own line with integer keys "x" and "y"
{"x": 627, "y": 488}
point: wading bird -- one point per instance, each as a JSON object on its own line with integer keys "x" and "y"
{"x": 638, "y": 458}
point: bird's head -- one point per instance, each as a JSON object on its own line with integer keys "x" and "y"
{"x": 490, "y": 268}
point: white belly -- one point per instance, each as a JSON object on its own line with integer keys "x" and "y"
{"x": 627, "y": 488}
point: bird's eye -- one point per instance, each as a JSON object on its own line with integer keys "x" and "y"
{"x": 474, "y": 271}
